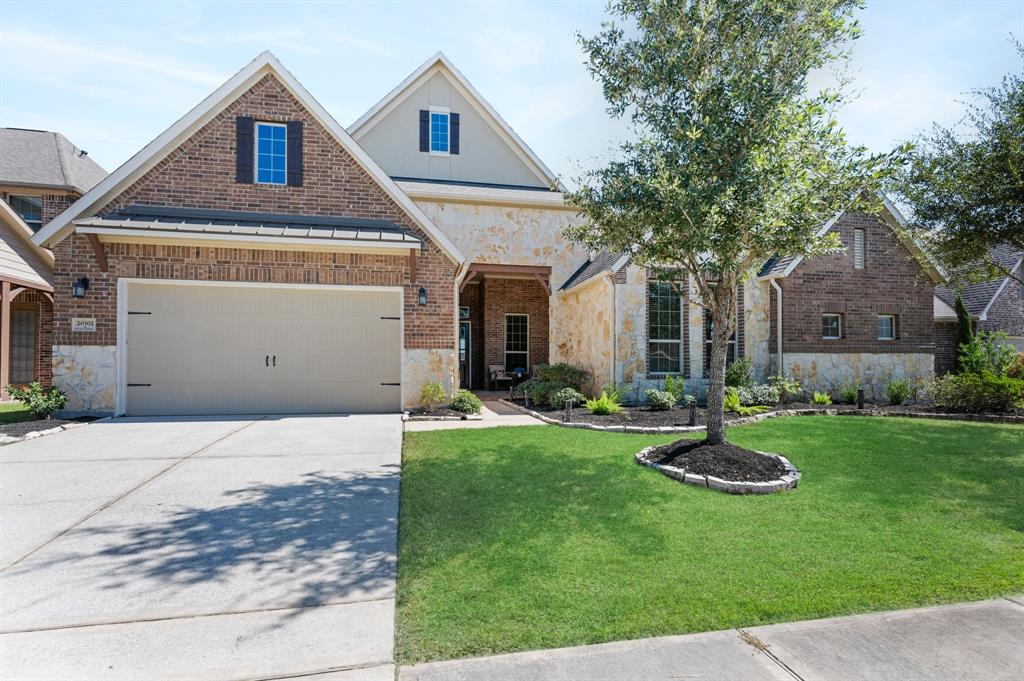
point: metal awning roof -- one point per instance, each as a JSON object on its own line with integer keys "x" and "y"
{"x": 205, "y": 224}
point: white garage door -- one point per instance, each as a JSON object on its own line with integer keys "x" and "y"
{"x": 209, "y": 349}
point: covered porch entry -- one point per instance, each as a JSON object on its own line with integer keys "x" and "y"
{"x": 503, "y": 323}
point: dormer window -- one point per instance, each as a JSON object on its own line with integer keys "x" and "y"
{"x": 439, "y": 132}
{"x": 271, "y": 153}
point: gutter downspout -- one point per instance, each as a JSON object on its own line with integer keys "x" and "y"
{"x": 615, "y": 328}
{"x": 778, "y": 325}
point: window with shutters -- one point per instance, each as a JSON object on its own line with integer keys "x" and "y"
{"x": 271, "y": 153}
{"x": 439, "y": 132}
{"x": 858, "y": 249}
{"x": 23, "y": 346}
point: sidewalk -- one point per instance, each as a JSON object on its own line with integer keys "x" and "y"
{"x": 970, "y": 642}
{"x": 494, "y": 414}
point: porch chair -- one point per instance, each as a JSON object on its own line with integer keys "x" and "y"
{"x": 497, "y": 374}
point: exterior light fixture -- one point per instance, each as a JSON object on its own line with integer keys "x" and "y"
{"x": 79, "y": 288}
{"x": 423, "y": 296}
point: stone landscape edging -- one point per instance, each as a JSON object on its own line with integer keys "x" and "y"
{"x": 31, "y": 435}
{"x": 744, "y": 420}
{"x": 786, "y": 482}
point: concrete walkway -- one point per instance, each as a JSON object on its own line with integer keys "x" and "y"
{"x": 970, "y": 642}
{"x": 201, "y": 548}
{"x": 494, "y": 414}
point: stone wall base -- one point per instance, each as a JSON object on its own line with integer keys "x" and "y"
{"x": 87, "y": 374}
{"x": 828, "y": 372}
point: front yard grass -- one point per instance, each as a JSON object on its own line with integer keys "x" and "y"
{"x": 14, "y": 412}
{"x": 525, "y": 538}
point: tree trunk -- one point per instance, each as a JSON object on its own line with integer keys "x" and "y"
{"x": 723, "y": 315}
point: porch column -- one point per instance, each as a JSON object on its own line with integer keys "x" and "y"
{"x": 5, "y": 334}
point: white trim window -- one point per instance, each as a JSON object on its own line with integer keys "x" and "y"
{"x": 30, "y": 208}
{"x": 440, "y": 131}
{"x": 517, "y": 342}
{"x": 886, "y": 327}
{"x": 831, "y": 326}
{"x": 858, "y": 249}
{"x": 271, "y": 153}
{"x": 664, "y": 329}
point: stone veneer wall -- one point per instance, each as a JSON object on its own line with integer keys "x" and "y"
{"x": 828, "y": 372}
{"x": 590, "y": 316}
{"x": 88, "y": 376}
{"x": 200, "y": 173}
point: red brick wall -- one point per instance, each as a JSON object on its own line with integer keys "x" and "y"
{"x": 947, "y": 339}
{"x": 892, "y": 282}
{"x": 1007, "y": 311}
{"x": 514, "y": 296}
{"x": 201, "y": 174}
{"x": 34, "y": 300}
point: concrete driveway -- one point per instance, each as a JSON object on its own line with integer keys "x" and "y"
{"x": 201, "y": 548}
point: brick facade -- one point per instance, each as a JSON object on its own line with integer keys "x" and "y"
{"x": 947, "y": 339}
{"x": 502, "y": 296}
{"x": 891, "y": 282}
{"x": 40, "y": 304}
{"x": 200, "y": 173}
{"x": 1007, "y": 311}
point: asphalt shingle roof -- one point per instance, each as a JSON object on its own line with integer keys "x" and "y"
{"x": 45, "y": 159}
{"x": 591, "y": 268}
{"x": 978, "y": 296}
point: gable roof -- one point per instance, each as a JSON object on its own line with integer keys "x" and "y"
{"x": 439, "y": 63}
{"x": 978, "y": 297}
{"x": 601, "y": 262}
{"x": 37, "y": 158}
{"x": 22, "y": 261}
{"x": 202, "y": 113}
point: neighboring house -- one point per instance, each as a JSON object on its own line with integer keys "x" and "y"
{"x": 258, "y": 257}
{"x": 41, "y": 174}
{"x": 994, "y": 305}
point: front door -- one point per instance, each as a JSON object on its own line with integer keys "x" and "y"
{"x": 465, "y": 370}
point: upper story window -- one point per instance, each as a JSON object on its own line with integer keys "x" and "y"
{"x": 271, "y": 153}
{"x": 858, "y": 249}
{"x": 664, "y": 329}
{"x": 831, "y": 326}
{"x": 886, "y": 327}
{"x": 30, "y": 208}
{"x": 439, "y": 129}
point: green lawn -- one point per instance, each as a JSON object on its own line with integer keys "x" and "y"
{"x": 523, "y": 538}
{"x": 13, "y": 412}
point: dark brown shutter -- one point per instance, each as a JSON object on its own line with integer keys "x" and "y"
{"x": 453, "y": 141}
{"x": 424, "y": 130}
{"x": 295, "y": 153}
{"x": 245, "y": 156}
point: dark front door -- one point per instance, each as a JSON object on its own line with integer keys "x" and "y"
{"x": 465, "y": 352}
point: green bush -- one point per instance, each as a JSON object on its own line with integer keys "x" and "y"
{"x": 788, "y": 387}
{"x": 1016, "y": 369}
{"x": 759, "y": 394}
{"x": 466, "y": 402}
{"x": 676, "y": 385}
{"x": 558, "y": 399}
{"x": 740, "y": 374}
{"x": 540, "y": 392}
{"x": 731, "y": 402}
{"x": 821, "y": 398}
{"x": 41, "y": 402}
{"x": 848, "y": 393}
{"x": 660, "y": 400}
{"x": 614, "y": 392}
{"x": 567, "y": 374}
{"x": 898, "y": 391}
{"x": 604, "y": 405}
{"x": 977, "y": 393}
{"x": 987, "y": 352}
{"x": 432, "y": 395}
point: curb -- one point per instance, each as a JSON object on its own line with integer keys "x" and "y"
{"x": 745, "y": 420}
{"x": 786, "y": 482}
{"x": 8, "y": 440}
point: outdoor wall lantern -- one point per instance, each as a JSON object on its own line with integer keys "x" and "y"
{"x": 79, "y": 288}
{"x": 423, "y": 296}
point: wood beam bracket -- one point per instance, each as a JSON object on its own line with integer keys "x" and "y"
{"x": 98, "y": 251}
{"x": 543, "y": 282}
{"x": 469, "y": 277}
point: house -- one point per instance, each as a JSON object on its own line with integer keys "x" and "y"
{"x": 41, "y": 174}
{"x": 994, "y": 305}
{"x": 258, "y": 257}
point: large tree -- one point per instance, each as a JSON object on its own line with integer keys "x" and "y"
{"x": 734, "y": 159}
{"x": 965, "y": 185}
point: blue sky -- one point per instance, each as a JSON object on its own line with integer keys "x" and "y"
{"x": 111, "y": 76}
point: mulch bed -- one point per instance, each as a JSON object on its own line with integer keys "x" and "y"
{"x": 439, "y": 413}
{"x": 22, "y": 428}
{"x": 641, "y": 417}
{"x": 725, "y": 461}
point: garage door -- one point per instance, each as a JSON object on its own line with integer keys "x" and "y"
{"x": 207, "y": 349}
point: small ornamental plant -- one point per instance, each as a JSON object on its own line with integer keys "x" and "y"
{"x": 41, "y": 402}
{"x": 466, "y": 402}
{"x": 821, "y": 399}
{"x": 604, "y": 405}
{"x": 432, "y": 396}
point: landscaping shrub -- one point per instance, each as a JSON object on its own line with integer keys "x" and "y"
{"x": 661, "y": 400}
{"x": 558, "y": 399}
{"x": 987, "y": 352}
{"x": 568, "y": 375}
{"x": 848, "y": 393}
{"x": 466, "y": 402}
{"x": 540, "y": 392}
{"x": 432, "y": 395}
{"x": 604, "y": 405}
{"x": 1016, "y": 369}
{"x": 732, "y": 403}
{"x": 615, "y": 392}
{"x": 759, "y": 394}
{"x": 821, "y": 398}
{"x": 788, "y": 387}
{"x": 740, "y": 374}
{"x": 898, "y": 391}
{"x": 977, "y": 393}
{"x": 40, "y": 402}
{"x": 676, "y": 385}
